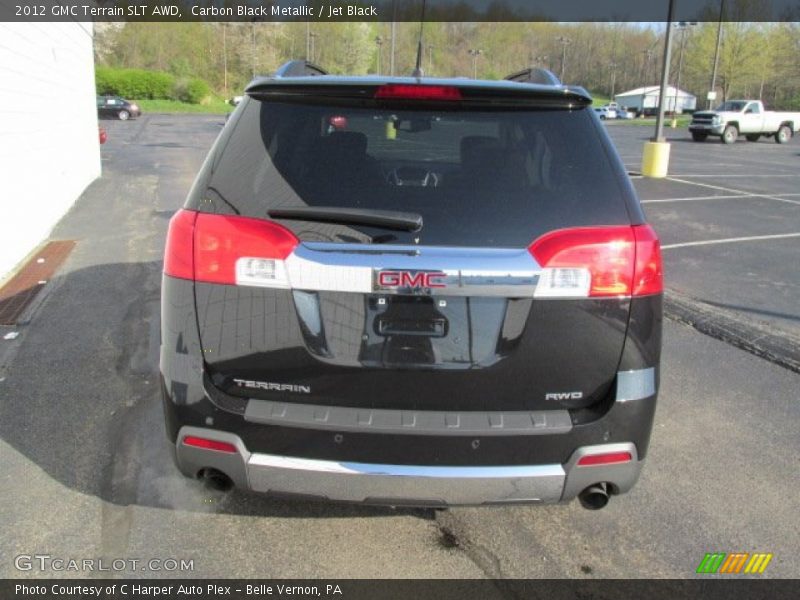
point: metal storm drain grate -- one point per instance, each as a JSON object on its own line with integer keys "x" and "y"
{"x": 19, "y": 292}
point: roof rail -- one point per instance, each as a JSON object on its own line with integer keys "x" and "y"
{"x": 535, "y": 75}
{"x": 299, "y": 68}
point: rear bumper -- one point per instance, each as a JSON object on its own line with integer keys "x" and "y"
{"x": 406, "y": 485}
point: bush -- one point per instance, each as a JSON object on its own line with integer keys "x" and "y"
{"x": 150, "y": 85}
{"x": 791, "y": 104}
{"x": 134, "y": 83}
{"x": 193, "y": 91}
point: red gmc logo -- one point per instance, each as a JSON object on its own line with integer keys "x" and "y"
{"x": 408, "y": 279}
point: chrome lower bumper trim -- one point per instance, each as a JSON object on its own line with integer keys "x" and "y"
{"x": 388, "y": 484}
{"x": 408, "y": 485}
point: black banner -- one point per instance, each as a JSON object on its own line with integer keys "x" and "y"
{"x": 396, "y": 10}
{"x": 711, "y": 588}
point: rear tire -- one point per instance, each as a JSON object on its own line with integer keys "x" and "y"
{"x": 784, "y": 134}
{"x": 730, "y": 134}
{"x": 753, "y": 137}
{"x": 124, "y": 115}
{"x": 699, "y": 136}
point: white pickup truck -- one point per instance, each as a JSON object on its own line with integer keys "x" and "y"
{"x": 745, "y": 117}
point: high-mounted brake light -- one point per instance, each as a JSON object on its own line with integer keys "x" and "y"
{"x": 228, "y": 249}
{"x": 418, "y": 92}
{"x": 206, "y": 444}
{"x": 598, "y": 262}
{"x": 609, "y": 458}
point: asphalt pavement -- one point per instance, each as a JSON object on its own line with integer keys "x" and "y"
{"x": 87, "y": 471}
{"x": 729, "y": 220}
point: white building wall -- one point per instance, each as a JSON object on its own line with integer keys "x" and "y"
{"x": 49, "y": 150}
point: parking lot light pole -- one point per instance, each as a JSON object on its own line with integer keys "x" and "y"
{"x": 655, "y": 159}
{"x": 613, "y": 67}
{"x": 683, "y": 26}
{"x": 474, "y": 53}
{"x": 716, "y": 54}
{"x": 564, "y": 41}
{"x": 393, "y": 38}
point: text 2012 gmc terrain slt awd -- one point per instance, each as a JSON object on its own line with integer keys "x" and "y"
{"x": 410, "y": 291}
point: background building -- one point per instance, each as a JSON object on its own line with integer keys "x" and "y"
{"x": 49, "y": 148}
{"x": 645, "y": 99}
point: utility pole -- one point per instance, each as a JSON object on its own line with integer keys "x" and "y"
{"x": 393, "y": 38}
{"x": 253, "y": 29}
{"x": 474, "y": 53}
{"x": 564, "y": 41}
{"x": 313, "y": 37}
{"x": 712, "y": 92}
{"x": 648, "y": 57}
{"x": 613, "y": 66}
{"x": 379, "y": 43}
{"x": 225, "y": 56}
{"x": 308, "y": 41}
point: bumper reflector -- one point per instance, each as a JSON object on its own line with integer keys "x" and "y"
{"x": 605, "y": 459}
{"x": 199, "y": 442}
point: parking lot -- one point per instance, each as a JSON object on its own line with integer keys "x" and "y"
{"x": 81, "y": 427}
{"x": 729, "y": 220}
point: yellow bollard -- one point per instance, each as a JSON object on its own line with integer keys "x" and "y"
{"x": 391, "y": 130}
{"x": 655, "y": 159}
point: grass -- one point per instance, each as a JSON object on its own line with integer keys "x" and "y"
{"x": 683, "y": 121}
{"x": 216, "y": 107}
{"x": 598, "y": 100}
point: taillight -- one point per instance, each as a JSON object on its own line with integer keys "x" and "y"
{"x": 648, "y": 277}
{"x": 598, "y": 262}
{"x": 610, "y": 458}
{"x": 338, "y": 122}
{"x": 206, "y": 444}
{"x": 178, "y": 260}
{"x": 228, "y": 249}
{"x": 418, "y": 92}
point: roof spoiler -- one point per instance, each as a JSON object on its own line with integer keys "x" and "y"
{"x": 299, "y": 68}
{"x": 535, "y": 75}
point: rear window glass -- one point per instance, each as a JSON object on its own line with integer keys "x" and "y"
{"x": 477, "y": 178}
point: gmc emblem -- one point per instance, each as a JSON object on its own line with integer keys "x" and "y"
{"x": 409, "y": 279}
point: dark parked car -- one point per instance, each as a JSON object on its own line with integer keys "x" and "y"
{"x": 116, "y": 107}
{"x": 454, "y": 300}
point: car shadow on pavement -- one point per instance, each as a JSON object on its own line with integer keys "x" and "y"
{"x": 81, "y": 401}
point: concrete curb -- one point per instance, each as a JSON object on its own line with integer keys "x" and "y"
{"x": 756, "y": 337}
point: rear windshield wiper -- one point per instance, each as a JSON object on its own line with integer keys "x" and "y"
{"x": 389, "y": 219}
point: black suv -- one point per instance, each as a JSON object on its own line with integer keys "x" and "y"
{"x": 410, "y": 291}
{"x": 116, "y": 107}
